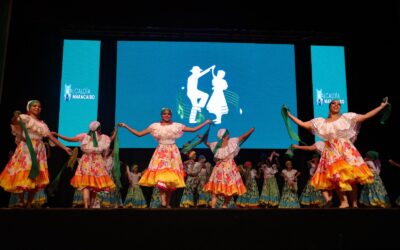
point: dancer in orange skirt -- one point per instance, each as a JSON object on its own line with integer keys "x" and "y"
{"x": 91, "y": 175}
{"x": 341, "y": 166}
{"x": 225, "y": 179}
{"x": 165, "y": 169}
{"x": 27, "y": 170}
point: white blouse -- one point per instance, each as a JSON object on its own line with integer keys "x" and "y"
{"x": 227, "y": 152}
{"x": 345, "y": 127}
{"x": 103, "y": 143}
{"x": 166, "y": 134}
{"x": 290, "y": 174}
{"x": 36, "y": 129}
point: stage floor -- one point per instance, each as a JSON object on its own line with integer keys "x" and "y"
{"x": 202, "y": 228}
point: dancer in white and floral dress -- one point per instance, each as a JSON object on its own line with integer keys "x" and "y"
{"x": 91, "y": 175}
{"x": 165, "y": 170}
{"x": 27, "y": 169}
{"x": 341, "y": 166}
{"x": 225, "y": 179}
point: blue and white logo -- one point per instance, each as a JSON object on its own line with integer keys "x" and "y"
{"x": 67, "y": 92}
{"x": 77, "y": 93}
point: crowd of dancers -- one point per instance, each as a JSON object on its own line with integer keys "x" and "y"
{"x": 336, "y": 167}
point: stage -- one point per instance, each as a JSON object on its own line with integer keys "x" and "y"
{"x": 200, "y": 228}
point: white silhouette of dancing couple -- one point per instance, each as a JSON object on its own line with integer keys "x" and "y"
{"x": 217, "y": 104}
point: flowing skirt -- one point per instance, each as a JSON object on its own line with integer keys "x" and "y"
{"x": 91, "y": 173}
{"x": 375, "y": 194}
{"x": 225, "y": 179}
{"x": 155, "y": 201}
{"x": 39, "y": 199}
{"x": 311, "y": 196}
{"x": 251, "y": 197}
{"x": 289, "y": 197}
{"x": 341, "y": 165}
{"x": 15, "y": 176}
{"x": 135, "y": 198}
{"x": 110, "y": 199}
{"x": 190, "y": 193}
{"x": 165, "y": 169}
{"x": 270, "y": 194}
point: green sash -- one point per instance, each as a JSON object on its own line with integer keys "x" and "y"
{"x": 219, "y": 143}
{"x": 34, "y": 172}
{"x": 94, "y": 138}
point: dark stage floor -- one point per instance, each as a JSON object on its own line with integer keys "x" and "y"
{"x": 179, "y": 228}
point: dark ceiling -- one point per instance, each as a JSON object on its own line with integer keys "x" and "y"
{"x": 330, "y": 17}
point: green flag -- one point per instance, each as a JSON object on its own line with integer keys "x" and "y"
{"x": 53, "y": 186}
{"x": 386, "y": 111}
{"x": 292, "y": 133}
{"x": 117, "y": 168}
{"x": 193, "y": 143}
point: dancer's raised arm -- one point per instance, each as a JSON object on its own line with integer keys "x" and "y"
{"x": 65, "y": 138}
{"x": 194, "y": 129}
{"x": 373, "y": 112}
{"x": 305, "y": 147}
{"x": 247, "y": 134}
{"x": 59, "y": 144}
{"x": 306, "y": 125}
{"x": 134, "y": 131}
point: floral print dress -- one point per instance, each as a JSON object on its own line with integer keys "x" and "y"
{"x": 341, "y": 165}
{"x": 225, "y": 178}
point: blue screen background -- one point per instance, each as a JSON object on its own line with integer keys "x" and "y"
{"x": 328, "y": 78}
{"x": 261, "y": 78}
{"x": 79, "y": 87}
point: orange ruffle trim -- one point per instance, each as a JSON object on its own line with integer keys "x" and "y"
{"x": 171, "y": 178}
{"x": 342, "y": 175}
{"x": 20, "y": 182}
{"x": 227, "y": 190}
{"x": 103, "y": 183}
